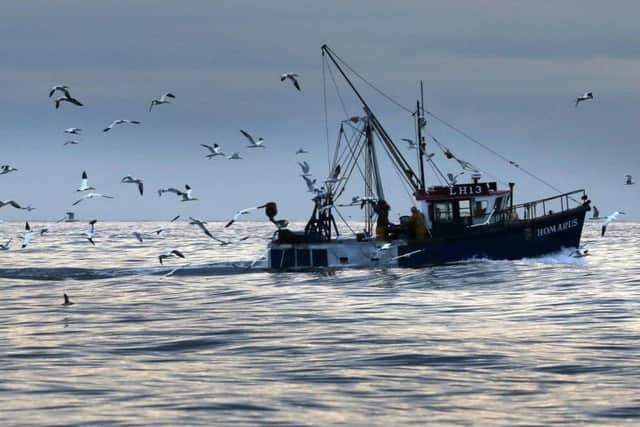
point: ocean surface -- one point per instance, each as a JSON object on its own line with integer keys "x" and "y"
{"x": 536, "y": 342}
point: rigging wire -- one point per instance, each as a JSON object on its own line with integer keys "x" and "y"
{"x": 326, "y": 111}
{"x": 449, "y": 125}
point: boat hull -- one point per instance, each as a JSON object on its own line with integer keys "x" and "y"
{"x": 507, "y": 241}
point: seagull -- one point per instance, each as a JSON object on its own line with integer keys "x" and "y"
{"x": 67, "y": 302}
{"x": 73, "y": 131}
{"x": 169, "y": 254}
{"x": 29, "y": 208}
{"x": 629, "y": 180}
{"x": 84, "y": 184}
{"x": 304, "y": 166}
{"x": 453, "y": 179}
{"x": 5, "y": 246}
{"x": 609, "y": 219}
{"x": 11, "y": 203}
{"x": 43, "y": 231}
{"x": 585, "y": 97}
{"x": 254, "y": 144}
{"x": 213, "y": 151}
{"x": 27, "y": 235}
{"x": 119, "y": 122}
{"x": 411, "y": 143}
{"x": 310, "y": 183}
{"x": 131, "y": 180}
{"x": 72, "y": 142}
{"x": 92, "y": 196}
{"x": 62, "y": 88}
{"x": 335, "y": 175}
{"x": 186, "y": 195}
{"x": 301, "y": 151}
{"x": 69, "y": 99}
{"x": 91, "y": 232}
{"x": 235, "y": 156}
{"x": 203, "y": 227}
{"x": 240, "y": 213}
{"x": 162, "y": 100}
{"x": 162, "y": 228}
{"x": 5, "y": 169}
{"x": 291, "y": 77}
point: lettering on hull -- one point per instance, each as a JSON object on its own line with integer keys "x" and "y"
{"x": 556, "y": 228}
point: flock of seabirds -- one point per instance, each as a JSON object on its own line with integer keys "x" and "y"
{"x": 185, "y": 195}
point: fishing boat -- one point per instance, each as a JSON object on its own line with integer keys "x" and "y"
{"x": 451, "y": 221}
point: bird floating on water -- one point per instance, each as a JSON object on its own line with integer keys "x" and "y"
{"x": 259, "y": 143}
{"x": 293, "y": 77}
{"x": 119, "y": 122}
{"x": 163, "y": 100}
{"x": 587, "y": 96}
{"x": 67, "y": 302}
{"x": 131, "y": 180}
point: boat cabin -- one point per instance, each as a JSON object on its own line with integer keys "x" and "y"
{"x": 452, "y": 209}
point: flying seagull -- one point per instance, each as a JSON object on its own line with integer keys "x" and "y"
{"x": 91, "y": 232}
{"x": 162, "y": 100}
{"x": 5, "y": 246}
{"x": 162, "y": 228}
{"x": 270, "y": 209}
{"x": 292, "y": 77}
{"x": 29, "y": 208}
{"x": 131, "y": 180}
{"x": 68, "y": 99}
{"x": 609, "y": 219}
{"x": 72, "y": 142}
{"x": 84, "y": 184}
{"x": 11, "y": 203}
{"x": 240, "y": 213}
{"x": 453, "y": 179}
{"x": 253, "y": 143}
{"x": 73, "y": 131}
{"x": 585, "y": 97}
{"x": 305, "y": 168}
{"x": 311, "y": 187}
{"x": 92, "y": 196}
{"x": 629, "y": 180}
{"x": 213, "y": 151}
{"x": 169, "y": 254}
{"x": 186, "y": 195}
{"x": 202, "y": 225}
{"x": 62, "y": 88}
{"x": 5, "y": 169}
{"x": 235, "y": 156}
{"x": 119, "y": 122}
{"x": 411, "y": 144}
{"x": 26, "y": 238}
{"x": 67, "y": 302}
{"x": 301, "y": 151}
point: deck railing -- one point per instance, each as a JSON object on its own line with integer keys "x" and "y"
{"x": 542, "y": 207}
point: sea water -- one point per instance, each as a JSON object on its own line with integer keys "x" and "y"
{"x": 547, "y": 341}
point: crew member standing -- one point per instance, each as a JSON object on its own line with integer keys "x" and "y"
{"x": 417, "y": 226}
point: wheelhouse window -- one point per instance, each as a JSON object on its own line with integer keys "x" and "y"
{"x": 480, "y": 208}
{"x": 443, "y": 212}
{"x": 464, "y": 208}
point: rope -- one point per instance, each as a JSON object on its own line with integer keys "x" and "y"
{"x": 326, "y": 112}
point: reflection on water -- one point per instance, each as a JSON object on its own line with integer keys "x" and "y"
{"x": 547, "y": 341}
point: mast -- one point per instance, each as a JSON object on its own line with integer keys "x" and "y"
{"x": 422, "y": 145}
{"x": 396, "y": 156}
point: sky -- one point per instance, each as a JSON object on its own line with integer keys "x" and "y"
{"x": 506, "y": 72}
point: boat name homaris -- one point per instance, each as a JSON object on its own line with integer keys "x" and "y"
{"x": 556, "y": 228}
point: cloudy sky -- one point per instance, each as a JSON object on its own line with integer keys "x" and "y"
{"x": 505, "y": 72}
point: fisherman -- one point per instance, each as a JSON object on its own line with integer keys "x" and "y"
{"x": 382, "y": 208}
{"x": 417, "y": 225}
